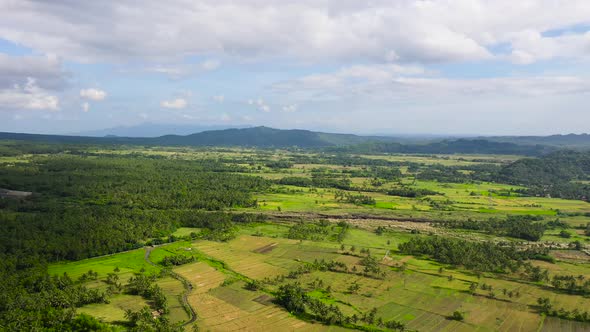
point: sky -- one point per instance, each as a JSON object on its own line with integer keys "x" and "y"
{"x": 497, "y": 67}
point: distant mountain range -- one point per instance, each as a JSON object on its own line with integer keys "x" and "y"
{"x": 152, "y": 130}
{"x": 570, "y": 140}
{"x": 246, "y": 137}
{"x": 265, "y": 137}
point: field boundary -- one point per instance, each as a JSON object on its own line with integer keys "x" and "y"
{"x": 188, "y": 287}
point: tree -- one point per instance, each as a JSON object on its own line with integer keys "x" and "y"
{"x": 354, "y": 287}
{"x": 457, "y": 315}
{"x": 292, "y": 297}
{"x": 253, "y": 285}
{"x": 544, "y": 304}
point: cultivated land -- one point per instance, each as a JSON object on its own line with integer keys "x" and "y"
{"x": 419, "y": 294}
{"x": 336, "y": 228}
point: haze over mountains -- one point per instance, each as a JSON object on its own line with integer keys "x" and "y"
{"x": 149, "y": 129}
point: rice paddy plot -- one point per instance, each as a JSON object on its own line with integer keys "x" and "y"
{"x": 114, "y": 312}
{"x": 128, "y": 262}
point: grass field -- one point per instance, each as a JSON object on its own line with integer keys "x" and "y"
{"x": 128, "y": 262}
{"x": 458, "y": 198}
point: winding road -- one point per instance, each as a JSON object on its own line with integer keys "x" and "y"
{"x": 187, "y": 285}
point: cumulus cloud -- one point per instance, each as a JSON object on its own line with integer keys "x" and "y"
{"x": 531, "y": 46}
{"x": 27, "y": 97}
{"x": 380, "y": 30}
{"x": 178, "y": 103}
{"x": 93, "y": 94}
{"x": 260, "y": 104}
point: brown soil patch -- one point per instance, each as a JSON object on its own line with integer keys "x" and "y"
{"x": 265, "y": 249}
{"x": 264, "y": 299}
{"x": 571, "y": 255}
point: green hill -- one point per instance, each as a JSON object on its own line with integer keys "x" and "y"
{"x": 261, "y": 137}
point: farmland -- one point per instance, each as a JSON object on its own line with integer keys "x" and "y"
{"x": 422, "y": 294}
{"x": 222, "y": 239}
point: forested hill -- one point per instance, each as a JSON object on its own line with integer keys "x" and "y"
{"x": 550, "y": 169}
{"x": 466, "y": 146}
{"x": 262, "y": 137}
{"x": 564, "y": 174}
{"x": 572, "y": 141}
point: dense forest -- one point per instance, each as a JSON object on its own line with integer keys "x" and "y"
{"x": 559, "y": 174}
{"x": 80, "y": 201}
{"x": 484, "y": 256}
{"x": 473, "y": 146}
{"x": 526, "y": 227}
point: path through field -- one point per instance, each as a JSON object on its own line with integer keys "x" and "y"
{"x": 187, "y": 285}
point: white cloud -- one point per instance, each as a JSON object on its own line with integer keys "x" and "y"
{"x": 27, "y": 97}
{"x": 172, "y": 71}
{"x": 289, "y": 108}
{"x": 219, "y": 98}
{"x": 380, "y": 82}
{"x": 85, "y": 107}
{"x": 260, "y": 104}
{"x": 47, "y": 71}
{"x": 178, "y": 71}
{"x": 93, "y": 94}
{"x": 309, "y": 30}
{"x": 178, "y": 103}
{"x": 531, "y": 46}
{"x": 210, "y": 65}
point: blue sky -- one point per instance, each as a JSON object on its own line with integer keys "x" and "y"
{"x": 389, "y": 67}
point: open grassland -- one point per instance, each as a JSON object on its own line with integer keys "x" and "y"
{"x": 447, "y": 160}
{"x": 114, "y": 312}
{"x": 467, "y": 199}
{"x": 128, "y": 263}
